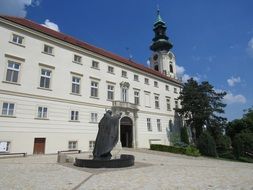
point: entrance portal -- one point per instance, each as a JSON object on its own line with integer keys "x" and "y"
{"x": 39, "y": 146}
{"x": 126, "y": 132}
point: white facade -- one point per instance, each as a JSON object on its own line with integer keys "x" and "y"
{"x": 60, "y": 95}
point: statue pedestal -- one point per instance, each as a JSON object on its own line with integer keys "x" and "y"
{"x": 116, "y": 150}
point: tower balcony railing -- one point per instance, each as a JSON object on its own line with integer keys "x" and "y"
{"x": 126, "y": 105}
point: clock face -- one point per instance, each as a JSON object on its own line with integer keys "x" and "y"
{"x": 155, "y": 57}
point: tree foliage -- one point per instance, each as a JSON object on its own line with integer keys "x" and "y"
{"x": 202, "y": 105}
{"x": 206, "y": 145}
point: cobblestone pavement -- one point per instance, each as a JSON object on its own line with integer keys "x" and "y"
{"x": 153, "y": 170}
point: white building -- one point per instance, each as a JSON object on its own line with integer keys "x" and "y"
{"x": 54, "y": 89}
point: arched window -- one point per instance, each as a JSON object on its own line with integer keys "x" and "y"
{"x": 171, "y": 68}
{"x": 156, "y": 68}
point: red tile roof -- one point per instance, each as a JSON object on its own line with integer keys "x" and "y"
{"x": 60, "y": 36}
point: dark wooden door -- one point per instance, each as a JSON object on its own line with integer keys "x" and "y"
{"x": 39, "y": 146}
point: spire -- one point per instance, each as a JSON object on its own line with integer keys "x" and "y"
{"x": 161, "y": 40}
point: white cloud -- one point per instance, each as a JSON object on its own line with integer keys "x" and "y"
{"x": 250, "y": 47}
{"x": 232, "y": 99}
{"x": 181, "y": 74}
{"x": 51, "y": 25}
{"x": 232, "y": 81}
{"x": 16, "y": 7}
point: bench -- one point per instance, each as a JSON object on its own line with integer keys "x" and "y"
{"x": 10, "y": 154}
{"x": 69, "y": 151}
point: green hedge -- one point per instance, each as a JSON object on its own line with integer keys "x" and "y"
{"x": 190, "y": 150}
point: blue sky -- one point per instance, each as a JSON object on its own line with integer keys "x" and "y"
{"x": 213, "y": 39}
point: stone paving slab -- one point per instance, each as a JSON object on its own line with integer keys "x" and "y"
{"x": 154, "y": 170}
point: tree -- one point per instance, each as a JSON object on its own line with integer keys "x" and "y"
{"x": 202, "y": 106}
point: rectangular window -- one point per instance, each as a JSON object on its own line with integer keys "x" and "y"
{"x": 136, "y": 77}
{"x": 124, "y": 74}
{"x": 175, "y": 90}
{"x": 146, "y": 81}
{"x": 168, "y": 104}
{"x": 110, "y": 92}
{"x": 12, "y": 71}
{"x": 94, "y": 117}
{"x": 48, "y": 49}
{"x": 94, "y": 89}
{"x": 124, "y": 94}
{"x": 176, "y": 104}
{"x": 72, "y": 145}
{"x": 45, "y": 78}
{"x": 42, "y": 112}
{"x": 75, "y": 85}
{"x": 155, "y": 84}
{"x": 147, "y": 99}
{"x": 5, "y": 146}
{"x": 149, "y": 127}
{"x": 167, "y": 87}
{"x": 77, "y": 59}
{"x": 17, "y": 39}
{"x": 74, "y": 115}
{"x": 110, "y": 69}
{"x": 91, "y": 145}
{"x": 8, "y": 109}
{"x": 159, "y": 127}
{"x": 95, "y": 64}
{"x": 157, "y": 102}
{"x": 137, "y": 97}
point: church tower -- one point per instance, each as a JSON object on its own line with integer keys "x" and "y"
{"x": 162, "y": 60}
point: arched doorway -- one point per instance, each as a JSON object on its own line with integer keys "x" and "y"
{"x": 126, "y": 132}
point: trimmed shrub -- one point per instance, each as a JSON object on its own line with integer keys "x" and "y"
{"x": 181, "y": 144}
{"x": 192, "y": 151}
{"x": 206, "y": 145}
{"x": 164, "y": 148}
{"x": 243, "y": 144}
{"x": 184, "y": 135}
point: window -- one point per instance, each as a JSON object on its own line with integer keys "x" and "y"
{"x": 176, "y": 104}
{"x": 94, "y": 89}
{"x": 136, "y": 77}
{"x": 149, "y": 127}
{"x": 91, "y": 145}
{"x": 95, "y": 64}
{"x": 75, "y": 85}
{"x": 5, "y": 146}
{"x": 155, "y": 84}
{"x": 12, "y": 71}
{"x": 157, "y": 102}
{"x": 167, "y": 87}
{"x": 110, "y": 69}
{"x": 74, "y": 115}
{"x": 170, "y": 126}
{"x": 159, "y": 127}
{"x": 147, "y": 99}
{"x": 110, "y": 92}
{"x": 94, "y": 117}
{"x": 72, "y": 145}
{"x": 146, "y": 81}
{"x": 42, "y": 112}
{"x": 137, "y": 97}
{"x": 48, "y": 49}
{"x": 124, "y": 74}
{"x": 77, "y": 59}
{"x": 171, "y": 68}
{"x": 45, "y": 78}
{"x": 8, "y": 109}
{"x": 124, "y": 94}
{"x": 175, "y": 90}
{"x": 168, "y": 104}
{"x": 17, "y": 39}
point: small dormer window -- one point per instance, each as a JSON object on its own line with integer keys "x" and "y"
{"x": 48, "y": 49}
{"x": 17, "y": 39}
{"x": 124, "y": 74}
{"x": 95, "y": 64}
{"x": 77, "y": 59}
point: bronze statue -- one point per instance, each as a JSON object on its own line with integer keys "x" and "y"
{"x": 107, "y": 137}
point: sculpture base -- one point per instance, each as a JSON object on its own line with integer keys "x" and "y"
{"x": 125, "y": 160}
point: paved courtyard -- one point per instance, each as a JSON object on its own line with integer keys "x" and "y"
{"x": 153, "y": 170}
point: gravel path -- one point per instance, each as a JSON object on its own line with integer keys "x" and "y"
{"x": 153, "y": 170}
